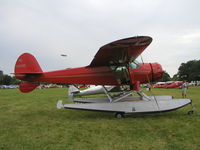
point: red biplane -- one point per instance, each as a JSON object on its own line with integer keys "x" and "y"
{"x": 114, "y": 64}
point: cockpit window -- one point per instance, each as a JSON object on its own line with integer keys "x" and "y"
{"x": 121, "y": 73}
{"x": 137, "y": 61}
{"x": 134, "y": 64}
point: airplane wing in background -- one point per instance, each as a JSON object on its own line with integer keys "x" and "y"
{"x": 120, "y": 52}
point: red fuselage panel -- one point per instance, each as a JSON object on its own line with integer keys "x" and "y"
{"x": 82, "y": 75}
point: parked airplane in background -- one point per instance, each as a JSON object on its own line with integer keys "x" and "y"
{"x": 114, "y": 65}
{"x": 175, "y": 84}
{"x": 160, "y": 85}
{"x": 168, "y": 84}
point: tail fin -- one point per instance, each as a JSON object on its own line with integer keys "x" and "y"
{"x": 27, "y": 65}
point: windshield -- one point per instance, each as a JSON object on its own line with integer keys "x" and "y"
{"x": 134, "y": 64}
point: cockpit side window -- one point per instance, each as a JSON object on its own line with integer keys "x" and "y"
{"x": 134, "y": 64}
{"x": 122, "y": 74}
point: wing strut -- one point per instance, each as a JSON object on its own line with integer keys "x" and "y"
{"x": 107, "y": 94}
{"x": 118, "y": 98}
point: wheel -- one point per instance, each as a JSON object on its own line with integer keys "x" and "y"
{"x": 190, "y": 112}
{"x": 119, "y": 115}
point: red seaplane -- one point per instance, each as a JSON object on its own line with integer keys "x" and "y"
{"x": 114, "y": 64}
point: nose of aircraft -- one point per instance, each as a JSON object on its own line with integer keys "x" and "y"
{"x": 157, "y": 71}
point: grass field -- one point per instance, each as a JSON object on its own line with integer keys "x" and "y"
{"x": 32, "y": 122}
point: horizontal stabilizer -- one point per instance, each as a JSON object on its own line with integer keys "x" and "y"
{"x": 27, "y": 87}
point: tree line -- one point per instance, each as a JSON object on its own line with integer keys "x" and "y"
{"x": 8, "y": 80}
{"x": 189, "y": 71}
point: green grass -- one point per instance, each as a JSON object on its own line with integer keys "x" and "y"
{"x": 32, "y": 122}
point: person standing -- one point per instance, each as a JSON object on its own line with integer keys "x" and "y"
{"x": 149, "y": 85}
{"x": 184, "y": 88}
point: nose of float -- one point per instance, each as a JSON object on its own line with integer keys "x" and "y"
{"x": 157, "y": 71}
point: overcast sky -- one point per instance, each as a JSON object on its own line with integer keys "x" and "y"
{"x": 78, "y": 28}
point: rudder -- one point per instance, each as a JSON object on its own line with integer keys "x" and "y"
{"x": 25, "y": 67}
{"x": 27, "y": 63}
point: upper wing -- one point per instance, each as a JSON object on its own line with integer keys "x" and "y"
{"x": 120, "y": 52}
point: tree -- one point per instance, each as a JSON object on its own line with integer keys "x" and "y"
{"x": 175, "y": 77}
{"x": 15, "y": 81}
{"x": 189, "y": 71}
{"x": 1, "y": 79}
{"x": 1, "y": 73}
{"x": 165, "y": 77}
{"x": 6, "y": 80}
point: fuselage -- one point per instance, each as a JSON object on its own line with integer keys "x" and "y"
{"x": 99, "y": 75}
